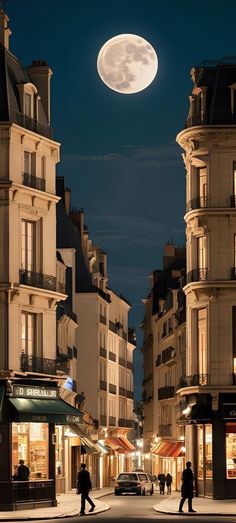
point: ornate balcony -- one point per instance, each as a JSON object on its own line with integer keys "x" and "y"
{"x": 122, "y": 391}
{"x": 31, "y": 124}
{"x": 125, "y": 423}
{"x": 200, "y": 202}
{"x": 103, "y": 385}
{"x": 195, "y": 379}
{"x": 130, "y": 394}
{"x": 168, "y": 354}
{"x": 122, "y": 362}
{"x": 112, "y": 356}
{"x": 112, "y": 388}
{"x": 129, "y": 365}
{"x": 166, "y": 392}
{"x": 196, "y": 275}
{"x": 103, "y": 319}
{"x": 38, "y": 279}
{"x": 158, "y": 360}
{"x": 34, "y": 181}
{"x": 103, "y": 352}
{"x": 39, "y": 365}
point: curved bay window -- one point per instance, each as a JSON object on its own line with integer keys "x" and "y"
{"x": 30, "y": 443}
{"x": 230, "y": 450}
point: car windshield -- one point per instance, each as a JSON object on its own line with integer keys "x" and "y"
{"x": 127, "y": 477}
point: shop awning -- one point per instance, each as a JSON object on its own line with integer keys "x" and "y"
{"x": 120, "y": 444}
{"x": 168, "y": 449}
{"x": 43, "y": 410}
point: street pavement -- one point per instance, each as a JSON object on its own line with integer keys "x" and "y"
{"x": 68, "y": 505}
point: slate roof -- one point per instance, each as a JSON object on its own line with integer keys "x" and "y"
{"x": 13, "y": 73}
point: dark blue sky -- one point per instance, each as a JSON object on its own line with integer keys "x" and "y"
{"x": 119, "y": 154}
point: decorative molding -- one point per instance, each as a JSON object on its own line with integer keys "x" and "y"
{"x": 52, "y": 303}
{"x": 32, "y": 298}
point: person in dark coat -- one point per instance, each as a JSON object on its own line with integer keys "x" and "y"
{"x": 168, "y": 482}
{"x": 23, "y": 472}
{"x": 84, "y": 485}
{"x": 187, "y": 488}
{"x": 162, "y": 480}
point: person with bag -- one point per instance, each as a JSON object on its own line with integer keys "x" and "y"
{"x": 168, "y": 482}
{"x": 84, "y": 485}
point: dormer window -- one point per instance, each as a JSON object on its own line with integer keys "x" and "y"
{"x": 28, "y": 100}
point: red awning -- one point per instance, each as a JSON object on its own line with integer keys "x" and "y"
{"x": 120, "y": 444}
{"x": 168, "y": 449}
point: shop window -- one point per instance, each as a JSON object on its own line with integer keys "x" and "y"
{"x": 30, "y": 443}
{"x": 208, "y": 450}
{"x": 230, "y": 450}
{"x": 200, "y": 452}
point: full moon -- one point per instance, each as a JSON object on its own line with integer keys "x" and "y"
{"x": 127, "y": 63}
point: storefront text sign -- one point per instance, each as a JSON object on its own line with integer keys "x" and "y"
{"x": 24, "y": 391}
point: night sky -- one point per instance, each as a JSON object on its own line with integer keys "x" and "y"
{"x": 119, "y": 155}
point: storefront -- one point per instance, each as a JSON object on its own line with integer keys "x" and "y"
{"x": 28, "y": 415}
{"x": 170, "y": 458}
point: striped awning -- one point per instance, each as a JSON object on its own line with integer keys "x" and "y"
{"x": 120, "y": 444}
{"x": 168, "y": 449}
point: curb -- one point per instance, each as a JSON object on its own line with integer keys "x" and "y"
{"x": 176, "y": 513}
{"x": 59, "y": 516}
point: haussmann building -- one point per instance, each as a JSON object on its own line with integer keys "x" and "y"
{"x": 208, "y": 392}
{"x": 30, "y": 402}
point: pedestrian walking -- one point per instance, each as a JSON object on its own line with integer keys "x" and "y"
{"x": 84, "y": 485}
{"x": 162, "y": 480}
{"x": 168, "y": 482}
{"x": 187, "y": 488}
{"x": 23, "y": 472}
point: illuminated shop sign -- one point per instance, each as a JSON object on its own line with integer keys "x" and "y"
{"x": 73, "y": 419}
{"x": 24, "y": 391}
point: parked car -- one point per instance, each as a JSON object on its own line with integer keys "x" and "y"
{"x": 133, "y": 482}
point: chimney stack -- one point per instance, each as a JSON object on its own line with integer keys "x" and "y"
{"x": 5, "y": 32}
{"x": 41, "y": 77}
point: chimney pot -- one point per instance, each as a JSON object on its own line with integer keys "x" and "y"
{"x": 5, "y": 32}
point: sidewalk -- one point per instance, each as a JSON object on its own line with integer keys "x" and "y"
{"x": 203, "y": 506}
{"x": 67, "y": 505}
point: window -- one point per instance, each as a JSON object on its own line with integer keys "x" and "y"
{"x": 202, "y": 341}
{"x": 28, "y": 105}
{"x": 103, "y": 374}
{"x": 112, "y": 407}
{"x": 27, "y": 245}
{"x": 201, "y": 252}
{"x": 202, "y": 186}
{"x": 230, "y": 450}
{"x": 30, "y": 443}
{"x": 28, "y": 333}
{"x": 27, "y": 162}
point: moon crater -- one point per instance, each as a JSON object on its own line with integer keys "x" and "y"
{"x": 127, "y": 63}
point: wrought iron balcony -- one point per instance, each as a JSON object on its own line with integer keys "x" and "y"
{"x": 103, "y": 420}
{"x": 200, "y": 202}
{"x": 122, "y": 362}
{"x": 61, "y": 287}
{"x": 103, "y": 319}
{"x": 103, "y": 385}
{"x": 197, "y": 275}
{"x": 39, "y": 365}
{"x": 38, "y": 279}
{"x": 195, "y": 379}
{"x": 158, "y": 360}
{"x": 165, "y": 430}
{"x": 112, "y": 388}
{"x": 168, "y": 354}
{"x": 62, "y": 361}
{"x": 166, "y": 392}
{"x": 113, "y": 326}
{"x": 112, "y": 356}
{"x": 103, "y": 352}
{"x": 217, "y": 117}
{"x": 125, "y": 423}
{"x": 31, "y": 124}
{"x": 34, "y": 181}
{"x": 112, "y": 421}
{"x": 130, "y": 394}
{"x": 122, "y": 391}
{"x": 129, "y": 365}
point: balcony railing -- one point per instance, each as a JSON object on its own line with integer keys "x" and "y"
{"x": 122, "y": 362}
{"x": 122, "y": 391}
{"x": 112, "y": 388}
{"x": 36, "y": 364}
{"x": 168, "y": 354}
{"x": 125, "y": 423}
{"x": 165, "y": 430}
{"x": 113, "y": 326}
{"x": 103, "y": 352}
{"x": 195, "y": 379}
{"x": 112, "y": 356}
{"x": 129, "y": 365}
{"x": 166, "y": 392}
{"x": 38, "y": 279}
{"x": 197, "y": 275}
{"x": 103, "y": 319}
{"x": 61, "y": 287}
{"x": 112, "y": 421}
{"x": 103, "y": 420}
{"x": 31, "y": 124}
{"x": 130, "y": 394}
{"x": 158, "y": 360}
{"x": 217, "y": 117}
{"x": 103, "y": 385}
{"x": 200, "y": 202}
{"x": 62, "y": 362}
{"x": 34, "y": 181}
